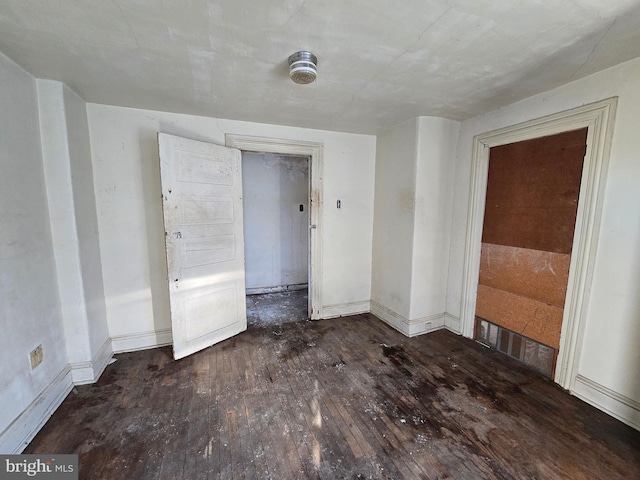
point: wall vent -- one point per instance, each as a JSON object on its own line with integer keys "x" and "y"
{"x": 538, "y": 356}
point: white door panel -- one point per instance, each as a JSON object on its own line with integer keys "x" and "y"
{"x": 202, "y": 206}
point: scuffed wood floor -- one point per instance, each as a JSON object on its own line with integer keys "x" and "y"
{"x": 348, "y": 398}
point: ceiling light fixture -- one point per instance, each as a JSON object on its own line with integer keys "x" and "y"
{"x": 303, "y": 67}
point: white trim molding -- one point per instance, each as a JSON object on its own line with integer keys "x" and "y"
{"x": 141, "y": 340}
{"x": 89, "y": 372}
{"x": 618, "y": 406}
{"x": 452, "y": 323}
{"x": 15, "y": 438}
{"x": 407, "y": 327}
{"x": 598, "y": 118}
{"x": 345, "y": 309}
{"x": 315, "y": 151}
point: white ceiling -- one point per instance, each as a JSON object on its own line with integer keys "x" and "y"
{"x": 380, "y": 61}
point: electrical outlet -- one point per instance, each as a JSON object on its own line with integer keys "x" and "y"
{"x": 35, "y": 357}
{"x": 427, "y": 325}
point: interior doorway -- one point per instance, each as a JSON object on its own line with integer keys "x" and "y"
{"x": 204, "y": 234}
{"x": 314, "y": 151}
{"x": 530, "y": 213}
{"x": 598, "y": 118}
{"x": 276, "y": 191}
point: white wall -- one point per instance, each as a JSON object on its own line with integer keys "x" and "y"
{"x": 30, "y": 312}
{"x": 394, "y": 219}
{"x": 71, "y": 199}
{"x": 127, "y": 181}
{"x": 87, "y": 220}
{"x": 413, "y": 201}
{"x": 276, "y": 232}
{"x": 437, "y": 142}
{"x": 609, "y": 363}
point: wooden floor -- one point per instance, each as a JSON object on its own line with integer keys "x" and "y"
{"x": 347, "y": 398}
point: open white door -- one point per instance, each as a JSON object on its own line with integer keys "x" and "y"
{"x": 202, "y": 205}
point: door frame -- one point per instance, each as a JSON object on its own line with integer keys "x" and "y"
{"x": 314, "y": 151}
{"x": 598, "y": 118}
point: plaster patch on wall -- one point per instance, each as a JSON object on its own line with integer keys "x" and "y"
{"x": 407, "y": 201}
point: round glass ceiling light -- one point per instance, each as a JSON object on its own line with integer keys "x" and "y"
{"x": 303, "y": 67}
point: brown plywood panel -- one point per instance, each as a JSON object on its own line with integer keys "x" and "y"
{"x": 531, "y": 318}
{"x": 535, "y": 274}
{"x": 532, "y": 192}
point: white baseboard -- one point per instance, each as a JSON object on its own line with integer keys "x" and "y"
{"x": 618, "y": 406}
{"x": 15, "y": 438}
{"x": 345, "y": 309}
{"x": 278, "y": 289}
{"x": 409, "y": 328}
{"x": 141, "y": 341}
{"x": 89, "y": 372}
{"x": 452, "y": 323}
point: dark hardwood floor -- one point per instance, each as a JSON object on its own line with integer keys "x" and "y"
{"x": 347, "y": 398}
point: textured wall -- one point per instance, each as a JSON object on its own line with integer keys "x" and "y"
{"x": 127, "y": 179}
{"x": 30, "y": 313}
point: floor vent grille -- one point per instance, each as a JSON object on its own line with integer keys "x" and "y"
{"x": 538, "y": 356}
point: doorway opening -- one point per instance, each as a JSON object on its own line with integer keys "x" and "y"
{"x": 276, "y": 189}
{"x": 313, "y": 153}
{"x": 597, "y": 118}
{"x": 527, "y": 237}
